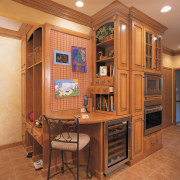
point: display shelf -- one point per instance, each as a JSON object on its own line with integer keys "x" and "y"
{"x": 108, "y": 59}
{"x": 106, "y": 44}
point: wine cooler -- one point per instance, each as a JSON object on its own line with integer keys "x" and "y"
{"x": 116, "y": 143}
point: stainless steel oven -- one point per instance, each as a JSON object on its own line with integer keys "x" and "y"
{"x": 152, "y": 84}
{"x": 116, "y": 143}
{"x": 153, "y": 116}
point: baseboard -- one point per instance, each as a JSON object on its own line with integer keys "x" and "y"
{"x": 6, "y": 146}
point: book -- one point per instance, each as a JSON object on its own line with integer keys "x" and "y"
{"x": 112, "y": 104}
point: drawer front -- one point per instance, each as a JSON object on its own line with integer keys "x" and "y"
{"x": 103, "y": 81}
{"x": 29, "y": 128}
{"x": 105, "y": 90}
{"x": 98, "y": 89}
{"x": 93, "y": 90}
{"x": 37, "y": 136}
{"x": 152, "y": 143}
{"x": 109, "y": 81}
{"x": 97, "y": 81}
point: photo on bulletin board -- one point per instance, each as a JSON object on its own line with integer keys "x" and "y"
{"x": 79, "y": 59}
{"x": 66, "y": 88}
{"x": 62, "y": 58}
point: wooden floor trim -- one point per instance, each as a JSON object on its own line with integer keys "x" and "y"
{"x": 10, "y": 145}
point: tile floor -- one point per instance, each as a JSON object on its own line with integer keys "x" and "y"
{"x": 162, "y": 165}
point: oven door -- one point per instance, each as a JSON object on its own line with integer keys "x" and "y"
{"x": 153, "y": 85}
{"x": 153, "y": 119}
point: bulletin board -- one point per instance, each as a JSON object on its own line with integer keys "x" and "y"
{"x": 63, "y": 42}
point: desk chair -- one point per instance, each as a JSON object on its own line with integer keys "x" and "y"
{"x": 64, "y": 136}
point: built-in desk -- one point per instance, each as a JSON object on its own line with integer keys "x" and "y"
{"x": 94, "y": 127}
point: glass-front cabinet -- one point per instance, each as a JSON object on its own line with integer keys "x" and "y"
{"x": 153, "y": 52}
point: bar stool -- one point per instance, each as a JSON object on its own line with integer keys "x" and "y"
{"x": 64, "y": 136}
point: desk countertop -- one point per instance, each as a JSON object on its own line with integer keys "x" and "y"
{"x": 94, "y": 117}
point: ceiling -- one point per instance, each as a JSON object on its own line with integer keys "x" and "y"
{"x": 10, "y": 24}
{"x": 152, "y": 8}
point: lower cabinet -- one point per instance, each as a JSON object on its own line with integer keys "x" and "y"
{"x": 137, "y": 137}
{"x": 152, "y": 143}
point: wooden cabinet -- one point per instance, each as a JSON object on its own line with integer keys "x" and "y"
{"x": 137, "y": 92}
{"x": 137, "y": 59}
{"x": 123, "y": 44}
{"x": 153, "y": 51}
{"x": 137, "y": 137}
{"x": 152, "y": 143}
{"x": 123, "y": 92}
{"x": 23, "y": 53}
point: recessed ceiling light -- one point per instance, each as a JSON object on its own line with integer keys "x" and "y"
{"x": 179, "y": 47}
{"x": 166, "y": 9}
{"x": 79, "y": 4}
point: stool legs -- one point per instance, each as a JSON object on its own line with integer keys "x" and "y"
{"x": 89, "y": 157}
{"x": 49, "y": 166}
{"x": 62, "y": 168}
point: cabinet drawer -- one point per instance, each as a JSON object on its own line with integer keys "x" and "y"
{"x": 105, "y": 90}
{"x": 29, "y": 128}
{"x": 102, "y": 81}
{"x": 98, "y": 90}
{"x": 109, "y": 81}
{"x": 37, "y": 136}
{"x": 97, "y": 81}
{"x": 152, "y": 143}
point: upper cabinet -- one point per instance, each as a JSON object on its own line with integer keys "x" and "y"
{"x": 110, "y": 88}
{"x": 137, "y": 60}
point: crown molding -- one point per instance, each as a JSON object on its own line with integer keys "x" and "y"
{"x": 115, "y": 8}
{"x": 140, "y": 16}
{"x": 171, "y": 52}
{"x": 56, "y": 9}
{"x": 15, "y": 34}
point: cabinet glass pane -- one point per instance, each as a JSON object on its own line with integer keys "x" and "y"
{"x": 146, "y": 37}
{"x": 150, "y": 38}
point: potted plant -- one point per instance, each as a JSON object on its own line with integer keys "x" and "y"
{"x": 105, "y": 33}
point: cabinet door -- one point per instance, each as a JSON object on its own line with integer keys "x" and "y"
{"x": 137, "y": 136}
{"x": 123, "y": 92}
{"x": 137, "y": 46}
{"x": 123, "y": 44}
{"x": 23, "y": 53}
{"x": 158, "y": 54}
{"x": 137, "y": 90}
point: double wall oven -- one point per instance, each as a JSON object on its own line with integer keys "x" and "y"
{"x": 153, "y": 107}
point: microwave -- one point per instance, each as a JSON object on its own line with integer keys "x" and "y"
{"x": 152, "y": 85}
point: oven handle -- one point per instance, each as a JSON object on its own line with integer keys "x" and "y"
{"x": 156, "y": 109}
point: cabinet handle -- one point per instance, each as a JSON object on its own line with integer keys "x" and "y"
{"x": 154, "y": 142}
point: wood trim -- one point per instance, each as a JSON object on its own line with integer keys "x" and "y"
{"x": 115, "y": 8}
{"x": 10, "y": 145}
{"x": 67, "y": 31}
{"x": 9, "y": 33}
{"x": 171, "y": 52}
{"x": 140, "y": 16}
{"x": 15, "y": 34}
{"x": 174, "y": 95}
{"x": 56, "y": 9}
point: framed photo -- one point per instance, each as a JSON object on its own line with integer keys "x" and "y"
{"x": 66, "y": 88}
{"x": 62, "y": 58}
{"x": 79, "y": 59}
{"x": 103, "y": 71}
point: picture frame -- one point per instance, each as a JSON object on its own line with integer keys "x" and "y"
{"x": 103, "y": 71}
{"x": 62, "y": 58}
{"x": 66, "y": 88}
{"x": 79, "y": 59}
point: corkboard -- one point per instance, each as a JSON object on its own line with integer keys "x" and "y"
{"x": 63, "y": 42}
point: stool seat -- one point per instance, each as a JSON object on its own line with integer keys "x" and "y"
{"x": 66, "y": 141}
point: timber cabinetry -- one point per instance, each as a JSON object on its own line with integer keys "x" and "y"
{"x": 137, "y": 137}
{"x": 137, "y": 93}
{"x": 153, "y": 51}
{"x": 152, "y": 143}
{"x": 137, "y": 38}
{"x": 111, "y": 92}
{"x": 33, "y": 89}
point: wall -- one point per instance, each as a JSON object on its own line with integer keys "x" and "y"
{"x": 29, "y": 15}
{"x": 167, "y": 60}
{"x": 10, "y": 91}
{"x": 176, "y": 61}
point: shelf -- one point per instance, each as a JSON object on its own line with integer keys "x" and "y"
{"x": 108, "y": 59}
{"x": 30, "y": 67}
{"x": 106, "y": 43}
